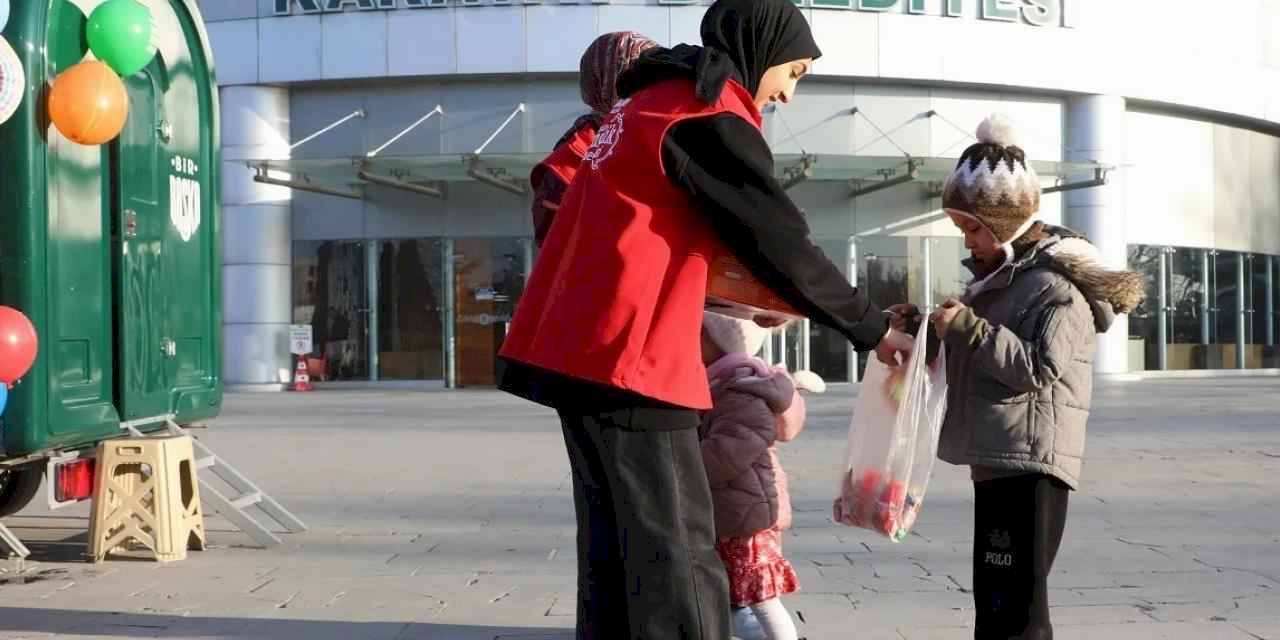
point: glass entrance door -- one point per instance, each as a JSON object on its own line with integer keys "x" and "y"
{"x": 488, "y": 278}
{"x": 410, "y": 309}
{"x": 331, "y": 294}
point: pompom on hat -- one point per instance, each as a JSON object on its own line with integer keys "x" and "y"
{"x": 734, "y": 335}
{"x": 993, "y": 183}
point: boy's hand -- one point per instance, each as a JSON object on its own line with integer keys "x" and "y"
{"x": 943, "y": 317}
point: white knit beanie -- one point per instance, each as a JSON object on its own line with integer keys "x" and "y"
{"x": 733, "y": 335}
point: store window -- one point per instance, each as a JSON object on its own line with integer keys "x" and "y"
{"x": 330, "y": 293}
{"x": 411, "y": 309}
{"x": 1144, "y": 321}
{"x": 828, "y": 349}
{"x": 1205, "y": 309}
{"x": 1271, "y": 342}
{"x": 488, "y": 280}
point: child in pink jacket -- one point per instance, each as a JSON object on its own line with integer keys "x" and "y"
{"x": 755, "y": 406}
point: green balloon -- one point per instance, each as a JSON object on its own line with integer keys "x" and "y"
{"x": 120, "y": 35}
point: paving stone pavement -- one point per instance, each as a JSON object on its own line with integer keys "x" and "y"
{"x": 448, "y": 516}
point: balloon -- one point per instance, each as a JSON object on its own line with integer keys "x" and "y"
{"x": 4, "y": 19}
{"x": 18, "y": 343}
{"x": 88, "y": 103}
{"x": 13, "y": 81}
{"x": 120, "y": 35}
{"x": 4, "y": 388}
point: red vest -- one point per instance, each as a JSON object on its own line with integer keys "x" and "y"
{"x": 564, "y": 160}
{"x": 617, "y": 293}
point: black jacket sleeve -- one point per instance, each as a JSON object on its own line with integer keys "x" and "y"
{"x": 726, "y": 165}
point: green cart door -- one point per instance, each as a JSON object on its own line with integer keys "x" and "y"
{"x": 191, "y": 267}
{"x": 142, "y": 198}
{"x": 169, "y": 286}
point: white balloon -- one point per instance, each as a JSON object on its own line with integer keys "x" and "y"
{"x": 4, "y": 13}
{"x": 13, "y": 81}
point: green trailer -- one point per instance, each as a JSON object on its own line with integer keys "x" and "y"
{"x": 112, "y": 251}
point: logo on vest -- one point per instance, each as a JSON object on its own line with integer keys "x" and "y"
{"x": 608, "y": 135}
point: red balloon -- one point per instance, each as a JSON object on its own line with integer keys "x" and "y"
{"x": 18, "y": 343}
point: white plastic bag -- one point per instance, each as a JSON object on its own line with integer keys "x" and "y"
{"x": 893, "y": 440}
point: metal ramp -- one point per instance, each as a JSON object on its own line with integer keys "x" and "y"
{"x": 10, "y": 545}
{"x": 247, "y": 495}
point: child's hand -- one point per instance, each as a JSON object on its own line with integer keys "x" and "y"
{"x": 943, "y": 317}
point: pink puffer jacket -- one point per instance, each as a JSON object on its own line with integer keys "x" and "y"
{"x": 754, "y": 406}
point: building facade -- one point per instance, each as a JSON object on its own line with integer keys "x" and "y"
{"x": 376, "y": 155}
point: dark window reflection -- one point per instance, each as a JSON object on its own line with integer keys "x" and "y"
{"x": 410, "y": 309}
{"x": 330, "y": 294}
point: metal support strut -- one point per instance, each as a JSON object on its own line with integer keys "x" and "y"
{"x": 396, "y": 183}
{"x": 358, "y": 113}
{"x": 439, "y": 110}
{"x": 495, "y": 177}
{"x": 11, "y": 545}
{"x": 302, "y": 185}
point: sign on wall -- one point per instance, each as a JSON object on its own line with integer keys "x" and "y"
{"x": 300, "y": 339}
{"x": 1038, "y": 13}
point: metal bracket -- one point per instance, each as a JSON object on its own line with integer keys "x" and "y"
{"x": 798, "y": 173}
{"x": 889, "y": 179}
{"x": 396, "y": 182}
{"x": 303, "y": 185}
{"x": 494, "y": 177}
{"x": 1099, "y": 180}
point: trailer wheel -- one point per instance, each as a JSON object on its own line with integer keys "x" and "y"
{"x": 17, "y": 488}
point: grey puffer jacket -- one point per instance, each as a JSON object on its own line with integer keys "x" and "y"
{"x": 1020, "y": 357}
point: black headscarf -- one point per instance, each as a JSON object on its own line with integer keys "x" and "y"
{"x": 741, "y": 40}
{"x": 757, "y": 35}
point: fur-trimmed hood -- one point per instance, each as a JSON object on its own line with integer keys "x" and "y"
{"x": 1109, "y": 291}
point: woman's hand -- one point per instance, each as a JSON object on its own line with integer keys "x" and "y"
{"x": 893, "y": 343}
{"x": 902, "y": 315}
{"x": 771, "y": 320}
{"x": 943, "y": 317}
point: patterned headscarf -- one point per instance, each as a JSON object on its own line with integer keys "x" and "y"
{"x": 603, "y": 62}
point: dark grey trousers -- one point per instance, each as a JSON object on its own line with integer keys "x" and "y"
{"x": 647, "y": 564}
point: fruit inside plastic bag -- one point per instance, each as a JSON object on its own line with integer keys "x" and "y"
{"x": 893, "y": 439}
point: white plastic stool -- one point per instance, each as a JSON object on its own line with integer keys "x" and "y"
{"x": 146, "y": 492}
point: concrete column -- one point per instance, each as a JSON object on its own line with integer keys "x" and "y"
{"x": 256, "y": 241}
{"x": 1095, "y": 133}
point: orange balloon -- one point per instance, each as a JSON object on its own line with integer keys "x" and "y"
{"x": 88, "y": 103}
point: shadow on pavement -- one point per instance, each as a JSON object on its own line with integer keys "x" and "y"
{"x": 105, "y": 624}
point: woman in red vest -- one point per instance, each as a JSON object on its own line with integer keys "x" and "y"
{"x": 603, "y": 61}
{"x": 608, "y": 331}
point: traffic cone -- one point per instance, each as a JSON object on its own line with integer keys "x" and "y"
{"x": 301, "y": 379}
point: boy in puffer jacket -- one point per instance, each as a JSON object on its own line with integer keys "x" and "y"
{"x": 754, "y": 407}
{"x": 1020, "y": 348}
